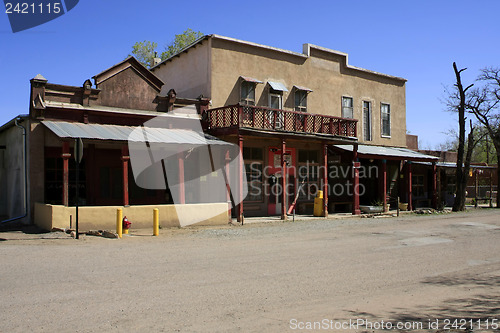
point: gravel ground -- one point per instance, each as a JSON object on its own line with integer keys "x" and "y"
{"x": 266, "y": 277}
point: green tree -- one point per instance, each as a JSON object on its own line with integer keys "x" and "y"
{"x": 180, "y": 42}
{"x": 146, "y": 51}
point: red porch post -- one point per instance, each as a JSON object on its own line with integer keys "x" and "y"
{"x": 182, "y": 188}
{"x": 409, "y": 188}
{"x": 325, "y": 180}
{"x": 434, "y": 185}
{"x": 125, "y": 158}
{"x": 228, "y": 187}
{"x": 355, "y": 186}
{"x": 283, "y": 181}
{"x": 65, "y": 156}
{"x": 383, "y": 183}
{"x": 240, "y": 180}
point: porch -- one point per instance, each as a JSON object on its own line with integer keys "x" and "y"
{"x": 230, "y": 118}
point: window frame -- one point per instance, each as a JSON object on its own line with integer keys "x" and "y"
{"x": 297, "y": 106}
{"x": 370, "y": 134}
{"x": 246, "y": 100}
{"x": 347, "y": 107}
{"x": 275, "y": 93}
{"x": 418, "y": 186}
{"x": 382, "y": 133}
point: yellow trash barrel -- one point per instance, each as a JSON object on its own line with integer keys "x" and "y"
{"x": 318, "y": 204}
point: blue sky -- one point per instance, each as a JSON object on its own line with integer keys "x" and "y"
{"x": 417, "y": 40}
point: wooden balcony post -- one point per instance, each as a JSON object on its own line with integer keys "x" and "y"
{"x": 65, "y": 156}
{"x": 434, "y": 185}
{"x": 383, "y": 183}
{"x": 240, "y": 180}
{"x": 355, "y": 186}
{"x": 283, "y": 180}
{"x": 228, "y": 186}
{"x": 325, "y": 180}
{"x": 409, "y": 185}
{"x": 125, "y": 158}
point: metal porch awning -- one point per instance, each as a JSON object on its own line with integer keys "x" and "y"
{"x": 65, "y": 129}
{"x": 366, "y": 151}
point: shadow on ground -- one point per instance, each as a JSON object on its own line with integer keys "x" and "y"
{"x": 26, "y": 229}
{"x": 483, "y": 306}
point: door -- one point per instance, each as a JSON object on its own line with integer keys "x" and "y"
{"x": 275, "y": 102}
{"x": 275, "y": 180}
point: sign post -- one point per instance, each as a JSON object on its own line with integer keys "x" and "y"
{"x": 78, "y": 158}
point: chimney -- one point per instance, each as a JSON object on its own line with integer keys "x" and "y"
{"x": 156, "y": 60}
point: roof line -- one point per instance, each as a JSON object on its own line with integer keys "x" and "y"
{"x": 12, "y": 122}
{"x": 305, "y": 54}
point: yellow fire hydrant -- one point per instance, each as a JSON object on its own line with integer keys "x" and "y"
{"x": 318, "y": 204}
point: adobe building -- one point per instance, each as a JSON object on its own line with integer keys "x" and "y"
{"x": 37, "y": 149}
{"x": 308, "y": 110}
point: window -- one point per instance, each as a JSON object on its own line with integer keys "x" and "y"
{"x": 417, "y": 185}
{"x": 308, "y": 173}
{"x": 253, "y": 158}
{"x": 275, "y": 102}
{"x": 385, "y": 115}
{"x": 247, "y": 93}
{"x": 367, "y": 121}
{"x": 300, "y": 100}
{"x": 347, "y": 107}
{"x": 275, "y": 99}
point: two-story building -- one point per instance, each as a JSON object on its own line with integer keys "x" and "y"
{"x": 312, "y": 111}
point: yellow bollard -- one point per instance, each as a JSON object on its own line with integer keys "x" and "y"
{"x": 156, "y": 222}
{"x": 119, "y": 215}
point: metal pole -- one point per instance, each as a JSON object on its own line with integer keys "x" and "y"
{"x": 77, "y": 142}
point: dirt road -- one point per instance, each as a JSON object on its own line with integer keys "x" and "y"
{"x": 271, "y": 277}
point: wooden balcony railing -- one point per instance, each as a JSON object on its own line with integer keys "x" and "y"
{"x": 257, "y": 117}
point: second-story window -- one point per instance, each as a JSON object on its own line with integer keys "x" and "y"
{"x": 347, "y": 107}
{"x": 247, "y": 93}
{"x": 275, "y": 99}
{"x": 385, "y": 116}
{"x": 301, "y": 100}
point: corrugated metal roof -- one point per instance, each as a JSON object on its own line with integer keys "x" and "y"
{"x": 277, "y": 86}
{"x": 303, "y": 88}
{"x": 454, "y": 165}
{"x": 250, "y": 79}
{"x": 65, "y": 129}
{"x": 403, "y": 153}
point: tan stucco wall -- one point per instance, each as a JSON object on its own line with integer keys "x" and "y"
{"x": 188, "y": 73}
{"x": 104, "y": 217}
{"x": 323, "y": 72}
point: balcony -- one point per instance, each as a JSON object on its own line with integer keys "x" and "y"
{"x": 225, "y": 118}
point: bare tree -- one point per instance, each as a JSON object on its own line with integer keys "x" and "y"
{"x": 462, "y": 171}
{"x": 484, "y": 103}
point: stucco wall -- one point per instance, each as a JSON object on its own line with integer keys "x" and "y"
{"x": 12, "y": 172}
{"x": 104, "y": 217}
{"x": 188, "y": 73}
{"x": 323, "y": 72}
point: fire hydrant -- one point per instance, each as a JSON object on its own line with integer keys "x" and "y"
{"x": 126, "y": 225}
